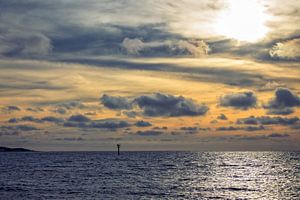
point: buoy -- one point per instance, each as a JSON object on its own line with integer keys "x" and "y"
{"x": 118, "y": 145}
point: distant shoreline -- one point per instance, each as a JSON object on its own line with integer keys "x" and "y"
{"x": 6, "y": 149}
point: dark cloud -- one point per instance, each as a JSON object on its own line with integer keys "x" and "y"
{"x": 278, "y": 135}
{"x": 222, "y": 117}
{"x": 10, "y": 109}
{"x": 160, "y": 128}
{"x": 20, "y": 127}
{"x": 157, "y": 104}
{"x": 189, "y": 129}
{"x": 280, "y": 111}
{"x": 52, "y": 119}
{"x": 243, "y": 100}
{"x": 116, "y": 102}
{"x": 36, "y": 120}
{"x": 167, "y": 105}
{"x": 38, "y": 109}
{"x": 149, "y": 133}
{"x": 266, "y": 120}
{"x": 283, "y": 102}
{"x": 69, "y": 105}
{"x": 65, "y": 107}
{"x": 79, "y": 118}
{"x": 204, "y": 74}
{"x": 70, "y": 139}
{"x": 81, "y": 121}
{"x": 237, "y": 128}
{"x": 131, "y": 114}
{"x": 256, "y": 137}
{"x": 142, "y": 123}
{"x": 110, "y": 124}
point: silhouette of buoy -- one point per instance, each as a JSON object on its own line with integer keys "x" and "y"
{"x": 118, "y": 145}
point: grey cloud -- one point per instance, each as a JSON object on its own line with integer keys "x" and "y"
{"x": 280, "y": 111}
{"x": 278, "y": 135}
{"x": 170, "y": 106}
{"x": 133, "y": 46}
{"x": 36, "y": 120}
{"x": 222, "y": 117}
{"x": 131, "y": 114}
{"x": 38, "y": 109}
{"x": 10, "y": 109}
{"x": 160, "y": 128}
{"x": 65, "y": 107}
{"x": 115, "y": 102}
{"x": 190, "y": 130}
{"x": 81, "y": 121}
{"x": 20, "y": 127}
{"x": 246, "y": 128}
{"x": 255, "y": 137}
{"x": 71, "y": 105}
{"x": 110, "y": 124}
{"x": 289, "y": 49}
{"x": 149, "y": 133}
{"x": 173, "y": 47}
{"x": 243, "y": 100}
{"x": 283, "y": 102}
{"x": 142, "y": 123}
{"x": 158, "y": 104}
{"x": 79, "y": 118}
{"x": 70, "y": 139}
{"x": 52, "y": 119}
{"x": 266, "y": 120}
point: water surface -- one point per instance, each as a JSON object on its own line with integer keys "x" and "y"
{"x": 146, "y": 175}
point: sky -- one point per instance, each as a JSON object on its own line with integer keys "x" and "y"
{"x": 210, "y": 75}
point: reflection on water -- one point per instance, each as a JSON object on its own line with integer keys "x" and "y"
{"x": 158, "y": 175}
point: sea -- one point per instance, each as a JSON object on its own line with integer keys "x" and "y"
{"x": 150, "y": 175}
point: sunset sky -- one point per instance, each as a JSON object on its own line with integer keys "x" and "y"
{"x": 151, "y": 75}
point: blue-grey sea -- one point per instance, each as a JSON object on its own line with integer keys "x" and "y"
{"x": 150, "y": 175}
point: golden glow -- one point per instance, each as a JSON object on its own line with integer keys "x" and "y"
{"x": 244, "y": 20}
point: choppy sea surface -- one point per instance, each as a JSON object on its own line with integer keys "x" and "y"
{"x": 150, "y": 175}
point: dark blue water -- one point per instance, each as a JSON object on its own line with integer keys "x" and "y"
{"x": 150, "y": 175}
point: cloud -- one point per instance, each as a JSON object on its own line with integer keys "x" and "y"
{"x": 266, "y": 120}
{"x": 289, "y": 49}
{"x": 222, "y": 117}
{"x": 149, "y": 133}
{"x": 159, "y": 104}
{"x": 283, "y": 102}
{"x": 195, "y": 48}
{"x": 131, "y": 114}
{"x": 52, "y": 119}
{"x": 25, "y": 44}
{"x": 142, "y": 123}
{"x": 189, "y": 130}
{"x": 246, "y": 128}
{"x": 10, "y": 109}
{"x": 110, "y": 124}
{"x": 278, "y": 135}
{"x": 79, "y": 118}
{"x": 174, "y": 47}
{"x": 115, "y": 102}
{"x": 133, "y": 46}
{"x": 20, "y": 127}
{"x": 243, "y": 100}
{"x": 37, "y": 120}
{"x": 71, "y": 139}
{"x": 81, "y": 121}
{"x": 255, "y": 137}
{"x": 64, "y": 107}
{"x": 160, "y": 128}
{"x": 156, "y": 104}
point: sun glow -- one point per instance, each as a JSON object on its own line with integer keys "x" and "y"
{"x": 244, "y": 20}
